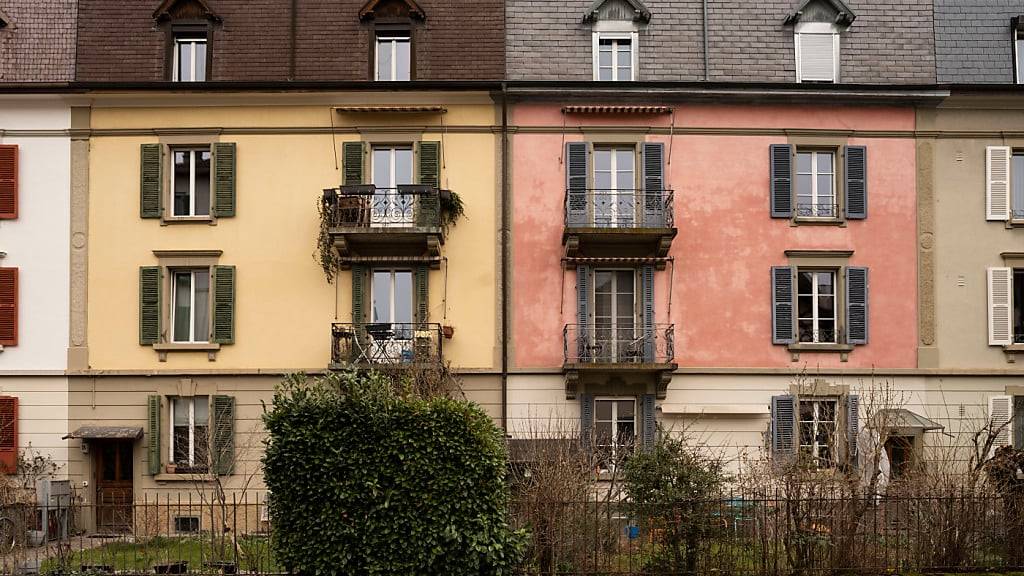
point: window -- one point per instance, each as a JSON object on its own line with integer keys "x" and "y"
{"x": 1017, "y": 185}
{"x": 190, "y": 182}
{"x": 189, "y": 58}
{"x": 186, "y": 524}
{"x": 615, "y": 57}
{"x": 615, "y": 430}
{"x": 816, "y": 306}
{"x": 190, "y": 308}
{"x": 1018, "y": 47}
{"x": 394, "y": 56}
{"x": 614, "y": 183}
{"x": 817, "y": 430}
{"x": 816, "y": 185}
{"x": 391, "y": 330}
{"x": 817, "y": 52}
{"x": 615, "y": 334}
{"x": 1017, "y": 302}
{"x": 392, "y": 166}
{"x": 190, "y": 425}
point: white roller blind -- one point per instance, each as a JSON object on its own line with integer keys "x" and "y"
{"x": 816, "y": 56}
{"x": 999, "y": 286}
{"x": 997, "y": 182}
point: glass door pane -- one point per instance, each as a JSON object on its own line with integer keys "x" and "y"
{"x": 392, "y": 167}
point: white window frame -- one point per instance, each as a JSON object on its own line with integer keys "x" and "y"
{"x": 192, "y": 39}
{"x": 815, "y": 318}
{"x": 616, "y": 446}
{"x": 1018, "y": 57}
{"x": 392, "y": 41}
{"x": 191, "y": 181}
{"x": 615, "y": 340}
{"x": 192, "y": 303}
{"x": 815, "y": 447}
{"x": 634, "y": 45}
{"x": 191, "y": 428}
{"x": 815, "y": 193}
{"x": 391, "y": 292}
{"x": 614, "y": 191}
{"x": 819, "y": 28}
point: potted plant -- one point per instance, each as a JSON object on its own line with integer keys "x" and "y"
{"x": 171, "y": 468}
{"x": 448, "y": 331}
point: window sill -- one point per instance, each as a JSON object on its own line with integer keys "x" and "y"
{"x": 842, "y": 349}
{"x": 840, "y": 222}
{"x": 210, "y": 348}
{"x": 209, "y": 220}
{"x": 1012, "y": 351}
{"x": 204, "y": 477}
{"x": 1015, "y": 223}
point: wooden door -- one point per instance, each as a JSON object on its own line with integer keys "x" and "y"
{"x": 114, "y": 487}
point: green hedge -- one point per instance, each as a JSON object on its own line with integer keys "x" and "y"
{"x": 365, "y": 481}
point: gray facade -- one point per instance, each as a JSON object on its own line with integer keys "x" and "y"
{"x": 974, "y": 40}
{"x": 890, "y": 42}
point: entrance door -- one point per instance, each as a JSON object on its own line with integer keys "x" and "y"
{"x": 615, "y": 316}
{"x": 114, "y": 490}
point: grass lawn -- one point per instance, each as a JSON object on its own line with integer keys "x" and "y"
{"x": 254, "y": 554}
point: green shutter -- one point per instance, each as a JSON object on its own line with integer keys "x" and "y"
{"x": 650, "y": 419}
{"x": 358, "y": 293}
{"x": 224, "y": 179}
{"x": 223, "y": 331}
{"x": 151, "y": 180}
{"x": 421, "y": 285}
{"x": 586, "y": 419}
{"x": 223, "y": 435}
{"x": 150, "y": 288}
{"x": 352, "y": 154}
{"x": 154, "y": 435}
{"x": 429, "y": 173}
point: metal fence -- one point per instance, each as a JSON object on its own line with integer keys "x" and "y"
{"x": 619, "y": 208}
{"x": 386, "y": 344}
{"x": 367, "y": 206}
{"x": 604, "y": 343}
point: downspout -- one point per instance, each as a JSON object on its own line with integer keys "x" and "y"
{"x": 505, "y": 218}
{"x": 292, "y": 39}
{"x": 704, "y": 20}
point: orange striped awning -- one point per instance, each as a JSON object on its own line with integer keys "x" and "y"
{"x": 391, "y": 109}
{"x": 616, "y": 109}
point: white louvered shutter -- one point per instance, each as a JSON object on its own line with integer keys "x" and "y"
{"x": 999, "y": 286}
{"x": 1000, "y": 411}
{"x": 997, "y": 182}
{"x": 817, "y": 53}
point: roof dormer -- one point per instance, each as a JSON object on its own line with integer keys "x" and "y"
{"x": 822, "y": 11}
{"x": 621, "y": 10}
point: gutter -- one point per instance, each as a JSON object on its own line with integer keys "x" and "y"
{"x": 505, "y": 237}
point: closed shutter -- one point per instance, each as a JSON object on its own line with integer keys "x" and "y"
{"x": 852, "y": 427}
{"x": 429, "y": 174}
{"x": 654, "y": 185}
{"x": 650, "y": 431}
{"x": 223, "y": 305}
{"x": 1000, "y": 331}
{"x": 8, "y": 434}
{"x": 783, "y": 424}
{"x": 647, "y": 287}
{"x": 223, "y": 435}
{"x": 352, "y": 154}
{"x": 358, "y": 293}
{"x": 576, "y": 171}
{"x": 856, "y": 169}
{"x": 153, "y": 431}
{"x": 586, "y": 420}
{"x": 150, "y": 289}
{"x": 582, "y": 313}
{"x": 817, "y": 57}
{"x": 997, "y": 182}
{"x": 152, "y": 181}
{"x": 421, "y": 283}
{"x": 782, "y": 305}
{"x": 8, "y": 181}
{"x": 1018, "y": 422}
{"x": 1000, "y": 413}
{"x": 224, "y": 179}
{"x": 8, "y": 306}
{"x": 781, "y": 178}
{"x": 856, "y": 305}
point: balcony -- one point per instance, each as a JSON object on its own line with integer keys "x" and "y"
{"x": 598, "y": 349}
{"x": 382, "y": 345}
{"x": 618, "y": 223}
{"x": 367, "y": 222}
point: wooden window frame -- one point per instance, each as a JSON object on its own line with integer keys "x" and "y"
{"x": 816, "y": 421}
{"x": 632, "y": 37}
{"x": 193, "y": 272}
{"x": 184, "y": 28}
{"x": 192, "y": 150}
{"x": 193, "y": 468}
{"x": 383, "y": 26}
{"x": 615, "y": 445}
{"x": 815, "y": 295}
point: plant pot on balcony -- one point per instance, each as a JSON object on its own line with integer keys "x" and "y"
{"x": 448, "y": 331}
{"x": 171, "y": 468}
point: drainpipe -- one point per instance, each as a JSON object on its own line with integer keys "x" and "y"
{"x": 292, "y": 40}
{"x": 505, "y": 218}
{"x": 705, "y": 22}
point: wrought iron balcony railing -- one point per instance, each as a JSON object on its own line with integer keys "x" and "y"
{"x": 638, "y": 208}
{"x": 366, "y": 206}
{"x": 819, "y": 336}
{"x": 813, "y": 210}
{"x": 385, "y": 344}
{"x": 599, "y": 343}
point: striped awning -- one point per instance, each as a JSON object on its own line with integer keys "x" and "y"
{"x": 391, "y": 109}
{"x": 613, "y": 260}
{"x": 616, "y": 110}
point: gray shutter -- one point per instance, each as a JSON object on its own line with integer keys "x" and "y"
{"x": 856, "y": 169}
{"x": 1018, "y": 422}
{"x": 586, "y": 419}
{"x": 223, "y": 330}
{"x": 856, "y": 305}
{"x": 223, "y": 435}
{"x": 224, "y": 179}
{"x": 582, "y": 313}
{"x": 576, "y": 171}
{"x": 421, "y": 286}
{"x": 647, "y": 287}
{"x": 654, "y": 185}
{"x": 358, "y": 293}
{"x": 153, "y": 431}
{"x": 151, "y": 180}
{"x": 784, "y": 424}
{"x": 650, "y": 421}
{"x": 429, "y": 173}
{"x": 150, "y": 289}
{"x": 782, "y": 305}
{"x": 781, "y": 162}
{"x": 852, "y": 427}
{"x": 352, "y": 154}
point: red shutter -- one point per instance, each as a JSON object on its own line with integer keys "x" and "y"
{"x": 8, "y": 181}
{"x": 8, "y": 306}
{"x": 8, "y": 434}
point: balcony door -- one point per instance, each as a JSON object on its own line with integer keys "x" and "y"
{"x": 615, "y": 326}
{"x": 391, "y": 329}
{"x": 392, "y": 166}
{"x": 615, "y": 187}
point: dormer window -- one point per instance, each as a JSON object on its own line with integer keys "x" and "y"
{"x": 394, "y": 56}
{"x": 816, "y": 28}
{"x": 189, "y": 26}
{"x": 616, "y": 25}
{"x": 391, "y": 25}
{"x": 1017, "y": 39}
{"x": 614, "y": 59}
{"x": 189, "y": 57}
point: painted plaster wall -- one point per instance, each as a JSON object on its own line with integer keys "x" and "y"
{"x": 720, "y": 282}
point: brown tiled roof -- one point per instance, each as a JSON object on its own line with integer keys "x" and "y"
{"x": 38, "y": 42}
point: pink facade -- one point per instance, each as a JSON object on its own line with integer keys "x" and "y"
{"x": 719, "y": 277}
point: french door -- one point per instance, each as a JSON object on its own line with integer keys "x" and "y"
{"x": 614, "y": 187}
{"x": 391, "y": 329}
{"x": 392, "y": 166}
{"x": 615, "y": 326}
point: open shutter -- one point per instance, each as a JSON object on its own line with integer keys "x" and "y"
{"x": 650, "y": 421}
{"x": 358, "y": 293}
{"x": 352, "y": 154}
{"x": 8, "y": 434}
{"x": 422, "y": 286}
{"x": 582, "y": 313}
{"x": 852, "y": 427}
{"x": 429, "y": 174}
{"x": 576, "y": 171}
{"x": 997, "y": 182}
{"x": 223, "y": 435}
{"x": 856, "y": 305}
{"x": 224, "y": 179}
{"x": 781, "y": 176}
{"x": 8, "y": 306}
{"x": 1000, "y": 414}
{"x": 223, "y": 305}
{"x": 1018, "y": 422}
{"x": 8, "y": 181}
{"x": 783, "y": 424}
{"x": 654, "y": 185}
{"x": 856, "y": 158}
{"x": 1000, "y": 332}
{"x": 586, "y": 419}
{"x": 152, "y": 181}
{"x": 782, "y": 305}
{"x": 150, "y": 288}
{"x": 153, "y": 431}
{"x": 647, "y": 286}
